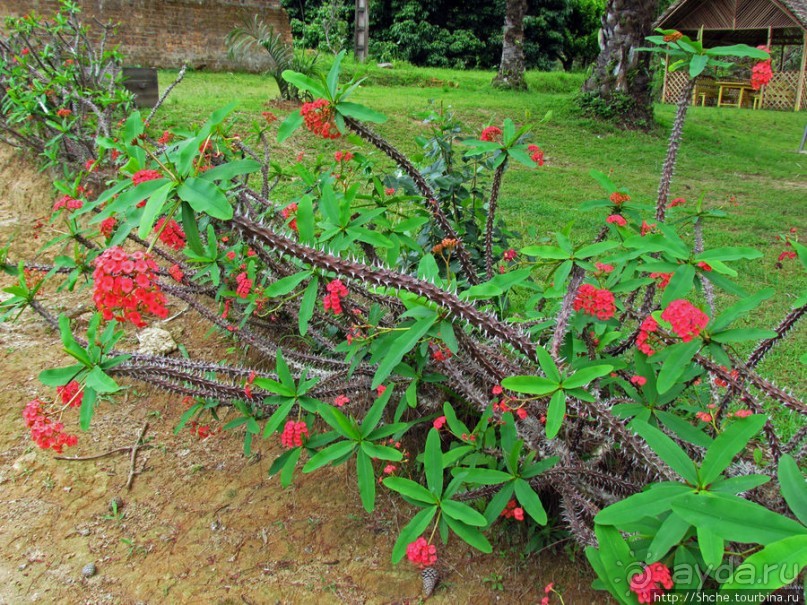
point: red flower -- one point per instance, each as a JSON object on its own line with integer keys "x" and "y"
{"x": 686, "y": 319}
{"x": 68, "y": 202}
{"x": 617, "y": 219}
{"x": 664, "y": 279}
{"x": 509, "y": 254}
{"x": 604, "y": 268}
{"x": 389, "y": 191}
{"x": 293, "y": 434}
{"x": 64, "y": 113}
{"x": 290, "y": 211}
{"x": 165, "y": 138}
{"x": 649, "y": 325}
{"x": 45, "y": 432}
{"x": 491, "y": 133}
{"x": 71, "y": 394}
{"x": 704, "y": 416}
{"x": 536, "y": 155}
{"x": 743, "y": 413}
{"x": 647, "y": 227}
{"x": 126, "y": 286}
{"x": 761, "y": 73}
{"x": 333, "y": 299}
{"x": 342, "y": 156}
{"x": 439, "y": 422}
{"x": 648, "y": 584}
{"x": 341, "y": 400}
{"x": 141, "y": 176}
{"x": 318, "y": 117}
{"x": 596, "y": 302}
{"x": 269, "y": 117}
{"x": 244, "y": 285}
{"x": 512, "y": 511}
{"x": 421, "y": 553}
{"x": 175, "y": 271}
{"x": 639, "y": 381}
{"x": 171, "y": 234}
{"x": 679, "y": 201}
{"x": 380, "y": 390}
{"x": 618, "y": 198}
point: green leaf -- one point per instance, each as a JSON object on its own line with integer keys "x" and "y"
{"x": 381, "y": 452}
{"x": 410, "y": 489}
{"x": 532, "y": 385}
{"x": 735, "y": 519}
{"x": 671, "y": 532}
{"x": 191, "y": 228}
{"x": 680, "y": 284}
{"x": 711, "y": 547}
{"x": 545, "y": 252}
{"x": 739, "y": 309}
{"x": 288, "y": 467}
{"x": 305, "y": 83}
{"x": 341, "y": 423}
{"x": 469, "y": 534}
{"x": 329, "y": 454}
{"x": 360, "y": 112}
{"x": 433, "y": 462}
{"x": 616, "y": 561}
{"x": 277, "y": 417}
{"x": 99, "y": 381}
{"x": 583, "y": 377}
{"x": 530, "y": 501}
{"x": 289, "y": 125}
{"x": 669, "y": 451}
{"x": 400, "y": 347}
{"x": 741, "y": 334}
{"x": 738, "y": 50}
{"x": 650, "y": 503}
{"x": 555, "y": 413}
{"x": 729, "y": 253}
{"x": 412, "y": 530}
{"x": 727, "y": 445}
{"x": 683, "y": 429}
{"x": 58, "y": 377}
{"x": 373, "y": 415}
{"x": 203, "y": 196}
{"x": 787, "y": 557}
{"x": 485, "y": 476}
{"x": 676, "y": 363}
{"x": 793, "y": 486}
{"x": 87, "y": 408}
{"x": 366, "y": 479}
{"x": 285, "y": 285}
{"x": 231, "y": 170}
{"x": 154, "y": 207}
{"x": 697, "y": 64}
{"x": 307, "y": 305}
{"x": 735, "y": 485}
{"x": 463, "y": 512}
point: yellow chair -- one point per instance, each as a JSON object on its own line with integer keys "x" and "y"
{"x": 705, "y": 92}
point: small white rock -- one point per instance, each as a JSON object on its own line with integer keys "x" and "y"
{"x": 156, "y": 341}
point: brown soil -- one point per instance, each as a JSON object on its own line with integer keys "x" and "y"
{"x": 202, "y": 523}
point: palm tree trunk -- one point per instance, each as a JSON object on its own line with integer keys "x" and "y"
{"x": 511, "y": 68}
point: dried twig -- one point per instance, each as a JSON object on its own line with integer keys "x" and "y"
{"x": 134, "y": 447}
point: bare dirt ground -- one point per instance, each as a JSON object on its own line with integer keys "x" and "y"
{"x": 202, "y": 523}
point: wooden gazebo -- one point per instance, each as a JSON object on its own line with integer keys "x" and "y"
{"x": 775, "y": 23}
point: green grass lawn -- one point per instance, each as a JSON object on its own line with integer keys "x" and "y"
{"x": 742, "y": 161}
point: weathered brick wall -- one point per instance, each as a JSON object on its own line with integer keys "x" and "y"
{"x": 168, "y": 33}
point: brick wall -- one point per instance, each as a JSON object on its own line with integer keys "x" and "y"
{"x": 168, "y": 33}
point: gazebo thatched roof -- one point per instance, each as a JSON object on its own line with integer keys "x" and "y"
{"x": 747, "y": 21}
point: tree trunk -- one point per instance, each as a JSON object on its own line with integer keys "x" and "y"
{"x": 511, "y": 69}
{"x": 621, "y": 78}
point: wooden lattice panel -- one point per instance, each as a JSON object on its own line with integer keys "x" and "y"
{"x": 676, "y": 81}
{"x": 780, "y": 92}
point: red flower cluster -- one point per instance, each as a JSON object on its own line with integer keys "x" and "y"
{"x": 704, "y": 416}
{"x": 171, "y": 234}
{"x": 421, "y": 553}
{"x": 648, "y": 584}
{"x": 141, "y": 176}
{"x": 649, "y": 325}
{"x": 761, "y": 73}
{"x": 269, "y": 117}
{"x": 107, "y": 226}
{"x": 603, "y": 268}
{"x": 64, "y": 113}
{"x": 333, "y": 299}
{"x": 509, "y": 254}
{"x": 389, "y": 191}
{"x": 439, "y": 422}
{"x": 639, "y": 381}
{"x": 341, "y": 400}
{"x": 318, "y": 117}
{"x": 704, "y": 266}
{"x": 166, "y": 137}
{"x": 647, "y": 228}
{"x": 679, "y": 201}
{"x": 617, "y": 219}
{"x": 440, "y": 354}
{"x": 595, "y": 301}
{"x": 536, "y": 154}
{"x": 686, "y": 319}
{"x": 290, "y": 211}
{"x": 293, "y": 434}
{"x": 617, "y": 197}
{"x": 126, "y": 286}
{"x": 71, "y": 394}
{"x": 511, "y": 511}
{"x": 68, "y": 202}
{"x": 342, "y": 156}
{"x": 46, "y": 433}
{"x": 244, "y": 285}
{"x": 175, "y": 271}
{"x": 490, "y": 134}
{"x": 663, "y": 279}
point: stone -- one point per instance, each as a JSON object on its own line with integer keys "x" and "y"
{"x": 88, "y": 570}
{"x": 156, "y": 341}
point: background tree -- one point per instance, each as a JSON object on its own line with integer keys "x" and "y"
{"x": 511, "y": 68}
{"x": 619, "y": 88}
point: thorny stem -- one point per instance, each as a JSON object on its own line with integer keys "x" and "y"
{"x": 494, "y": 198}
{"x": 672, "y": 150}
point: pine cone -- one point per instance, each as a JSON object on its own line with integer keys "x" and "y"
{"x": 430, "y": 578}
